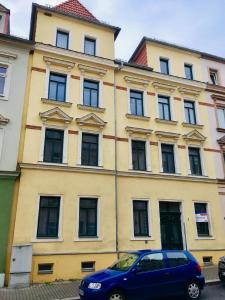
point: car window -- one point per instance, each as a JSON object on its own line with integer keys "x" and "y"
{"x": 177, "y": 259}
{"x": 124, "y": 263}
{"x": 151, "y": 262}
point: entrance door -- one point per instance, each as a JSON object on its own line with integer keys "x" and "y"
{"x": 170, "y": 223}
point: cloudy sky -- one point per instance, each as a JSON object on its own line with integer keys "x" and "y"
{"x": 199, "y": 24}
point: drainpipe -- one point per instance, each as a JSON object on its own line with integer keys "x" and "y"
{"x": 116, "y": 163}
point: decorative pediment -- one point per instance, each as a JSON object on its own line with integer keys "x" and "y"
{"x": 164, "y": 86}
{"x": 91, "y": 120}
{"x": 59, "y": 62}
{"x": 194, "y": 136}
{"x": 221, "y": 141}
{"x": 3, "y": 120}
{"x": 92, "y": 70}
{"x": 191, "y": 92}
{"x": 164, "y": 135}
{"x": 135, "y": 130}
{"x": 136, "y": 81}
{"x": 55, "y": 114}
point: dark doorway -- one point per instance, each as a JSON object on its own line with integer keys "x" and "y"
{"x": 170, "y": 223}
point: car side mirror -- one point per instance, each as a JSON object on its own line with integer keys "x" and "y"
{"x": 136, "y": 269}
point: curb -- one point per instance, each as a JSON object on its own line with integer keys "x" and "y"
{"x": 213, "y": 282}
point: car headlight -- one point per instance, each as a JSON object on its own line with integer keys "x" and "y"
{"x": 94, "y": 285}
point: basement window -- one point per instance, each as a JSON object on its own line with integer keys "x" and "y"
{"x": 45, "y": 268}
{"x": 207, "y": 260}
{"x": 87, "y": 266}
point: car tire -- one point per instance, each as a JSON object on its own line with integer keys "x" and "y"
{"x": 221, "y": 277}
{"x": 116, "y": 295}
{"x": 193, "y": 291}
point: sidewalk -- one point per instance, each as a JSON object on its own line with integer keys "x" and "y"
{"x": 68, "y": 290}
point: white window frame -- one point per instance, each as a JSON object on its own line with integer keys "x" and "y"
{"x": 171, "y": 105}
{"x": 5, "y": 95}
{"x": 2, "y": 133}
{"x": 216, "y": 73}
{"x": 147, "y": 153}
{"x": 145, "y": 102}
{"x": 202, "y": 160}
{"x": 196, "y": 106}
{"x": 65, "y": 144}
{"x": 100, "y": 148}
{"x": 211, "y": 234}
{"x": 85, "y": 35}
{"x": 94, "y": 239}
{"x": 51, "y": 69}
{"x": 175, "y": 153}
{"x": 193, "y": 72}
{"x": 100, "y": 82}
{"x": 220, "y": 108}
{"x": 169, "y": 64}
{"x": 62, "y": 29}
{"x": 49, "y": 240}
{"x": 150, "y": 223}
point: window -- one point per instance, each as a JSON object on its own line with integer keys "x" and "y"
{"x": 168, "y": 162}
{"x": 195, "y": 161}
{"x": 189, "y": 108}
{"x": 140, "y": 215}
{"x": 57, "y": 87}
{"x": 188, "y": 71}
{"x": 53, "y": 148}
{"x": 62, "y": 39}
{"x": 221, "y": 117}
{"x": 87, "y": 266}
{"x": 45, "y": 268}
{"x": 91, "y": 93}
{"x": 202, "y": 219}
{"x": 48, "y": 219}
{"x": 151, "y": 262}
{"x": 89, "y": 153}
{"x": 213, "y": 77}
{"x": 3, "y": 74}
{"x": 164, "y": 66}
{"x": 89, "y": 46}
{"x": 176, "y": 259}
{"x": 164, "y": 108}
{"x": 139, "y": 155}
{"x": 88, "y": 217}
{"x": 136, "y": 103}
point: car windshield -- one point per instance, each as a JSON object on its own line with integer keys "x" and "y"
{"x": 124, "y": 263}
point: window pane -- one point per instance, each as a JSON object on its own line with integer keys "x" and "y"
{"x": 91, "y": 93}
{"x": 2, "y": 85}
{"x": 189, "y": 108}
{"x": 61, "y": 92}
{"x": 221, "y": 117}
{"x": 168, "y": 158}
{"x": 195, "y": 161}
{"x": 136, "y": 103}
{"x": 3, "y": 70}
{"x": 89, "y": 155}
{"x": 89, "y": 46}
{"x": 132, "y": 106}
{"x": 164, "y": 108}
{"x": 62, "y": 39}
{"x": 57, "y": 87}
{"x": 202, "y": 220}
{"x": 151, "y": 262}
{"x": 176, "y": 259}
{"x": 53, "y": 149}
{"x": 164, "y": 66}
{"x": 140, "y": 215}
{"x": 188, "y": 72}
{"x": 88, "y": 217}
{"x": 139, "y": 155}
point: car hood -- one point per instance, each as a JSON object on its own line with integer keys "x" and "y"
{"x": 103, "y": 275}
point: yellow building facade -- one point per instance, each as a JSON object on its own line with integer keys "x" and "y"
{"x": 109, "y": 162}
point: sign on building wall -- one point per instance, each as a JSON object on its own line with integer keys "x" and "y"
{"x": 201, "y": 218}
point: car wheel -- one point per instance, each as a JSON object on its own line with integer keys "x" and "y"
{"x": 221, "y": 277}
{"x": 193, "y": 291}
{"x": 116, "y": 295}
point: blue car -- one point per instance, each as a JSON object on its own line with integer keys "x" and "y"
{"x": 146, "y": 274}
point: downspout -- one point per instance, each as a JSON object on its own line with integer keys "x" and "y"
{"x": 116, "y": 162}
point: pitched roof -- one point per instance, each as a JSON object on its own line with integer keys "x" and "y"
{"x": 76, "y": 8}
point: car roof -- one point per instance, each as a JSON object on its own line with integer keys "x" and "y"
{"x": 146, "y": 251}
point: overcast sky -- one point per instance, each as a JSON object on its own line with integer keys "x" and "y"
{"x": 199, "y": 24}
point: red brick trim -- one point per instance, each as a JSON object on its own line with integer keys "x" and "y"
{"x": 154, "y": 143}
{"x": 177, "y": 98}
{"x": 121, "y": 88}
{"x": 212, "y": 150}
{"x": 72, "y": 131}
{"x": 109, "y": 137}
{"x": 75, "y": 77}
{"x": 181, "y": 146}
{"x": 122, "y": 139}
{"x": 150, "y": 94}
{"x": 33, "y": 127}
{"x": 108, "y": 83}
{"x": 206, "y": 104}
{"x": 38, "y": 69}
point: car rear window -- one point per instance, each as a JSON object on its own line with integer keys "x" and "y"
{"x": 177, "y": 259}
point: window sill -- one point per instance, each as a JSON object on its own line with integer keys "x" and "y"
{"x": 192, "y": 125}
{"x": 136, "y": 117}
{"x": 3, "y": 98}
{"x": 55, "y": 102}
{"x": 140, "y": 171}
{"x": 170, "y": 174}
{"x": 205, "y": 238}
{"x": 142, "y": 239}
{"x": 197, "y": 176}
{"x": 47, "y": 240}
{"x": 91, "y": 108}
{"x": 171, "y": 122}
{"x": 94, "y": 239}
{"x": 90, "y": 167}
{"x": 45, "y": 272}
{"x": 52, "y": 164}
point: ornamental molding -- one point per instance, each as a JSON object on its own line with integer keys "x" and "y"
{"x": 91, "y": 120}
{"x": 135, "y": 130}
{"x": 59, "y": 62}
{"x": 136, "y": 81}
{"x": 162, "y": 135}
{"x": 55, "y": 114}
{"x": 221, "y": 142}
{"x": 3, "y": 120}
{"x": 164, "y": 86}
{"x": 93, "y": 70}
{"x": 194, "y": 136}
{"x": 8, "y": 55}
{"x": 189, "y": 91}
